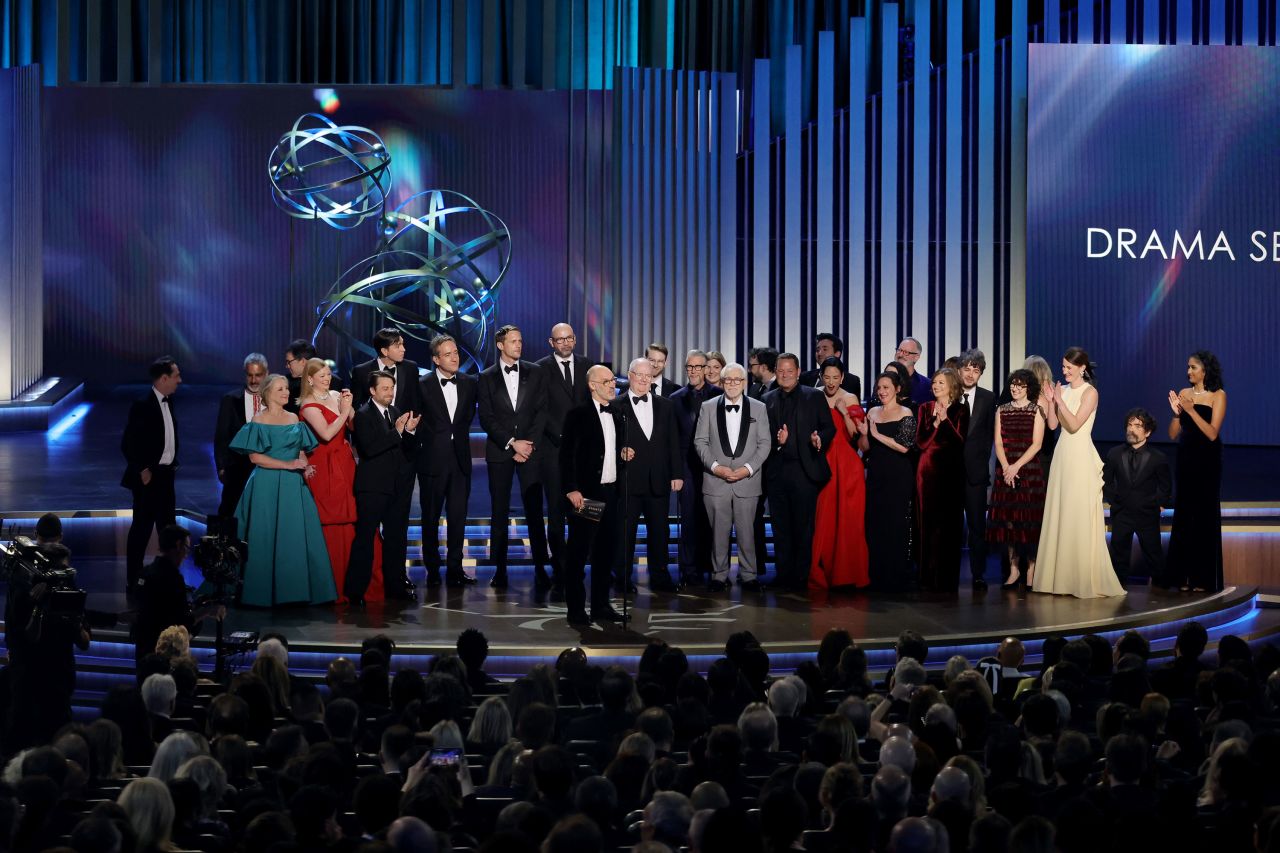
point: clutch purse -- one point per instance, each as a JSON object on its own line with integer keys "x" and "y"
{"x": 592, "y": 510}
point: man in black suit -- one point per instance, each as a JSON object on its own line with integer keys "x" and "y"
{"x": 978, "y": 443}
{"x": 566, "y": 387}
{"x": 389, "y": 345}
{"x": 695, "y": 526}
{"x": 825, "y": 346}
{"x": 651, "y": 451}
{"x": 1137, "y": 483}
{"x": 589, "y": 459}
{"x": 657, "y": 355}
{"x": 448, "y": 407}
{"x": 797, "y": 469}
{"x": 162, "y": 595}
{"x": 513, "y": 415}
{"x": 761, "y": 363}
{"x": 150, "y": 448}
{"x": 296, "y": 356}
{"x": 237, "y": 408}
{"x": 386, "y": 443}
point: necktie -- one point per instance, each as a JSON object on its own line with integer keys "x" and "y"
{"x": 568, "y": 377}
{"x": 512, "y": 368}
{"x": 728, "y": 408}
{"x": 386, "y": 413}
{"x": 1133, "y": 462}
{"x": 642, "y": 399}
{"x": 966, "y": 400}
{"x": 451, "y": 379}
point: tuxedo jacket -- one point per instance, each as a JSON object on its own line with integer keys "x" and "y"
{"x": 757, "y": 390}
{"x": 561, "y": 397}
{"x": 688, "y": 410}
{"x": 143, "y": 440}
{"x": 850, "y": 383}
{"x": 581, "y": 451}
{"x": 812, "y": 414}
{"x": 1145, "y": 492}
{"x": 711, "y": 443}
{"x": 406, "y": 399}
{"x": 657, "y": 461}
{"x": 980, "y": 437}
{"x": 502, "y": 423}
{"x": 668, "y": 388}
{"x": 386, "y": 457}
{"x": 230, "y": 419}
{"x": 438, "y": 435}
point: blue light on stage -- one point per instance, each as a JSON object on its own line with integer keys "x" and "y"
{"x": 72, "y": 419}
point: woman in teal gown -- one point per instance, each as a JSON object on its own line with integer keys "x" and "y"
{"x": 288, "y": 562}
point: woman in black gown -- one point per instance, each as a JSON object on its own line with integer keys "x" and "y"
{"x": 942, "y": 425}
{"x": 887, "y": 438}
{"x": 1195, "y": 543}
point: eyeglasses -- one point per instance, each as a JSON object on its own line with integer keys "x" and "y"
{"x": 692, "y": 367}
{"x": 564, "y": 339}
{"x": 732, "y": 380}
{"x": 906, "y": 352}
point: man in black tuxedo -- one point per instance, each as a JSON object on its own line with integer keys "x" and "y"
{"x": 162, "y": 595}
{"x": 825, "y": 346}
{"x": 389, "y": 345}
{"x": 296, "y": 356}
{"x": 237, "y": 408}
{"x": 589, "y": 459}
{"x": 448, "y": 407}
{"x": 150, "y": 448}
{"x": 979, "y": 440}
{"x": 386, "y": 444}
{"x": 651, "y": 451}
{"x": 566, "y": 375}
{"x": 761, "y": 363}
{"x": 513, "y": 414}
{"x": 657, "y": 355}
{"x": 1137, "y": 483}
{"x": 797, "y": 469}
{"x": 695, "y": 526}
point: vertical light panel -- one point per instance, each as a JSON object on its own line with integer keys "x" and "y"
{"x": 886, "y": 318}
{"x": 951, "y": 340}
{"x": 1184, "y": 21}
{"x": 1052, "y": 22}
{"x": 1117, "y": 21}
{"x": 698, "y": 206}
{"x": 1151, "y": 22}
{"x": 625, "y": 179}
{"x": 1218, "y": 21}
{"x": 677, "y": 214}
{"x": 920, "y": 207}
{"x": 792, "y": 279}
{"x": 824, "y": 184}
{"x": 1084, "y": 18}
{"x": 724, "y": 284}
{"x": 21, "y": 232}
{"x": 856, "y": 247}
{"x": 985, "y": 286}
{"x": 1018, "y": 189}
{"x": 760, "y": 206}
{"x": 1249, "y": 32}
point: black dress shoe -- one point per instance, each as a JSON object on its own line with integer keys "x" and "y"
{"x": 402, "y": 595}
{"x": 605, "y": 614}
{"x": 661, "y": 585}
{"x": 459, "y": 580}
{"x": 433, "y": 580}
{"x": 499, "y": 580}
{"x": 717, "y": 586}
{"x": 579, "y": 620}
{"x": 752, "y": 585}
{"x": 979, "y": 585}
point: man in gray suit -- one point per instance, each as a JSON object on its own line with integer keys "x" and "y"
{"x": 732, "y": 441}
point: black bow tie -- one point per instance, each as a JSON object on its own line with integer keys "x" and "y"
{"x": 166, "y": 400}
{"x": 451, "y": 379}
{"x": 644, "y": 398}
{"x": 729, "y": 408}
{"x": 603, "y": 408}
{"x": 391, "y": 370}
{"x": 512, "y": 368}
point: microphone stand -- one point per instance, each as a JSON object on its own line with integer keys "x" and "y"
{"x": 626, "y": 521}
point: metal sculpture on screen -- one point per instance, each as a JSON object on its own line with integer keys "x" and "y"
{"x": 339, "y": 174}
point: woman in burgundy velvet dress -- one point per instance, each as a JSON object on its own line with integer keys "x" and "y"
{"x": 940, "y": 478}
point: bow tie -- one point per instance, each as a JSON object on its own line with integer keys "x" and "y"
{"x": 451, "y": 379}
{"x": 644, "y": 398}
{"x": 512, "y": 368}
{"x": 391, "y": 369}
{"x": 166, "y": 400}
{"x": 603, "y": 408}
{"x": 729, "y": 408}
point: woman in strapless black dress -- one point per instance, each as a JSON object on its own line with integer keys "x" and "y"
{"x": 1195, "y": 544}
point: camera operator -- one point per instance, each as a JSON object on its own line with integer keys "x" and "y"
{"x": 162, "y": 594}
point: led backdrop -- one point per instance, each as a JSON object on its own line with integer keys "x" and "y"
{"x": 1153, "y": 221}
{"x": 161, "y": 235}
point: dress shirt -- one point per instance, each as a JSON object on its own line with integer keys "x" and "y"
{"x": 566, "y": 364}
{"x": 394, "y": 369}
{"x": 609, "y": 472}
{"x": 382, "y": 410}
{"x": 450, "y": 391}
{"x": 656, "y": 388}
{"x": 512, "y": 380}
{"x": 252, "y": 405}
{"x": 732, "y": 427}
{"x": 644, "y": 414}
{"x": 166, "y": 457}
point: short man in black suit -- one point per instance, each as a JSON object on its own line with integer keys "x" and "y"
{"x": 448, "y": 407}
{"x": 566, "y": 375}
{"x": 386, "y": 444}
{"x": 825, "y": 346}
{"x": 590, "y": 462}
{"x": 150, "y": 448}
{"x": 237, "y": 408}
{"x": 796, "y": 471}
{"x": 695, "y": 526}
{"x": 296, "y": 356}
{"x": 979, "y": 440}
{"x": 389, "y": 345}
{"x": 513, "y": 415}
{"x": 761, "y": 363}
{"x": 1137, "y": 483}
{"x": 662, "y": 386}
{"x": 651, "y": 451}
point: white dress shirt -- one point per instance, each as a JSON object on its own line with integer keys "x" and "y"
{"x": 563, "y": 362}
{"x": 656, "y": 388}
{"x": 450, "y": 392}
{"x": 394, "y": 369}
{"x": 382, "y": 410}
{"x": 609, "y": 472}
{"x": 732, "y": 427}
{"x": 252, "y": 405}
{"x": 644, "y": 414}
{"x": 166, "y": 457}
{"x": 512, "y": 381}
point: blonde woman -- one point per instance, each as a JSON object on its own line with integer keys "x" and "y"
{"x": 288, "y": 562}
{"x": 940, "y": 480}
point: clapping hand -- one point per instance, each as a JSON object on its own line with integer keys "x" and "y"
{"x": 1057, "y": 393}
{"x": 1186, "y": 401}
{"x": 815, "y": 440}
{"x": 412, "y": 423}
{"x": 782, "y": 435}
{"x": 345, "y": 401}
{"x": 628, "y": 454}
{"x": 402, "y": 422}
{"x": 1175, "y": 403}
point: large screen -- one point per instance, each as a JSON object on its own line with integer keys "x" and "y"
{"x": 1153, "y": 222}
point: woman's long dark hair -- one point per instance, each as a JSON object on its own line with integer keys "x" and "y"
{"x": 1212, "y": 369}
{"x": 1080, "y": 358}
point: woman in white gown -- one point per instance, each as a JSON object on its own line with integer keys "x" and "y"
{"x": 1073, "y": 557}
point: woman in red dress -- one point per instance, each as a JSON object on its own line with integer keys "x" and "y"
{"x": 940, "y": 430}
{"x": 329, "y": 415}
{"x": 839, "y": 532}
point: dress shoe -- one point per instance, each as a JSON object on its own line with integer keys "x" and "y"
{"x": 579, "y": 620}
{"x": 459, "y": 580}
{"x": 605, "y": 614}
{"x": 752, "y": 585}
{"x": 661, "y": 585}
{"x": 402, "y": 595}
{"x": 979, "y": 585}
{"x": 499, "y": 580}
{"x": 355, "y": 602}
{"x": 717, "y": 586}
{"x": 433, "y": 580}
